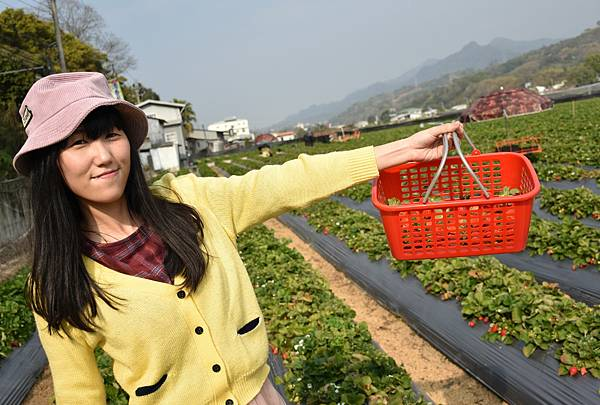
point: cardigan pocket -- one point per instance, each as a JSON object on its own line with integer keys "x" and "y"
{"x": 249, "y": 326}
{"x": 149, "y": 389}
{"x": 253, "y": 337}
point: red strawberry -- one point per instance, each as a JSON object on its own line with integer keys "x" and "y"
{"x": 486, "y": 319}
{"x": 583, "y": 371}
{"x": 325, "y": 231}
{"x": 472, "y": 324}
{"x": 481, "y": 317}
{"x": 503, "y": 332}
{"x": 572, "y": 371}
{"x": 274, "y": 350}
{"x": 493, "y": 328}
{"x": 284, "y": 356}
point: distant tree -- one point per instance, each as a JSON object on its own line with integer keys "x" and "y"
{"x": 12, "y": 137}
{"x": 137, "y": 92}
{"x": 300, "y": 132}
{"x": 86, "y": 24}
{"x": 79, "y": 19}
{"x": 26, "y": 41}
{"x": 118, "y": 53}
{"x": 319, "y": 127}
{"x": 593, "y": 62}
{"x": 188, "y": 115}
{"x": 549, "y": 76}
{"x": 372, "y": 119}
{"x": 385, "y": 116}
{"x": 581, "y": 74}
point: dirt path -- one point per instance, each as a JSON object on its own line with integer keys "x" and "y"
{"x": 42, "y": 392}
{"x": 442, "y": 380}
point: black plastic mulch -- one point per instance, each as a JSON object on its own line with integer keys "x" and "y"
{"x": 503, "y": 369}
{"x": 20, "y": 370}
{"x": 583, "y": 284}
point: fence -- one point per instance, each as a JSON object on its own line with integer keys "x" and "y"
{"x": 15, "y": 216}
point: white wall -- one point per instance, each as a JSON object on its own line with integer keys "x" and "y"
{"x": 165, "y": 158}
{"x": 169, "y": 114}
{"x": 238, "y": 127}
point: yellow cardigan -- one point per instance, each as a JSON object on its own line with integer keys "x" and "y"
{"x": 209, "y": 347}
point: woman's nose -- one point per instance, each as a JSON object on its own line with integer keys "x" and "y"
{"x": 101, "y": 151}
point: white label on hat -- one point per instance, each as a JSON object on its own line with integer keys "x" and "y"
{"x": 27, "y": 116}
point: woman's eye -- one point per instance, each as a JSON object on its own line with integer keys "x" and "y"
{"x": 78, "y": 142}
{"x": 113, "y": 135}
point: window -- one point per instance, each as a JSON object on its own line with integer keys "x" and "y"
{"x": 171, "y": 137}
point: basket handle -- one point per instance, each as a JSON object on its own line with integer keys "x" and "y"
{"x": 456, "y": 141}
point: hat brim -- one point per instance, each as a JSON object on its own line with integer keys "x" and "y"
{"x": 66, "y": 121}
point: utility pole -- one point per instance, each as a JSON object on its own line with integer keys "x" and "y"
{"x": 61, "y": 54}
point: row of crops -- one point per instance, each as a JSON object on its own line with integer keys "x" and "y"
{"x": 539, "y": 310}
{"x": 547, "y": 301}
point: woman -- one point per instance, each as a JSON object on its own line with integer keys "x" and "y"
{"x": 152, "y": 275}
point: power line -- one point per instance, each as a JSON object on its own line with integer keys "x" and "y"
{"x": 31, "y": 5}
{"x": 41, "y": 4}
{"x": 8, "y": 72}
{"x": 28, "y": 61}
{"x": 43, "y": 9}
{"x": 20, "y": 53}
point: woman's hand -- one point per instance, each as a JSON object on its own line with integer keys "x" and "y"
{"x": 423, "y": 146}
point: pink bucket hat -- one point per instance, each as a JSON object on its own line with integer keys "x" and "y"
{"x": 55, "y": 106}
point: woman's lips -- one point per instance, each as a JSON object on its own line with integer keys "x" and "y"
{"x": 107, "y": 175}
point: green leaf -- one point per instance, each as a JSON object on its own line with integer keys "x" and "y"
{"x": 528, "y": 349}
{"x": 516, "y": 314}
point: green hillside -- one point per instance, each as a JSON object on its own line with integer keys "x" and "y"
{"x": 575, "y": 60}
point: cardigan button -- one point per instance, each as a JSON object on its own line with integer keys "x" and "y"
{"x": 199, "y": 330}
{"x": 216, "y": 368}
{"x": 181, "y": 294}
{"x": 229, "y": 402}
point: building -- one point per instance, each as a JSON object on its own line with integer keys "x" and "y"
{"x": 167, "y": 115}
{"x": 234, "y": 129}
{"x": 430, "y": 112}
{"x": 156, "y": 153}
{"x": 203, "y": 141}
{"x": 284, "y": 136}
{"x": 459, "y": 107}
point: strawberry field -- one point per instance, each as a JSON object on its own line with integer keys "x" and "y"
{"x": 527, "y": 325}
{"x": 544, "y": 301}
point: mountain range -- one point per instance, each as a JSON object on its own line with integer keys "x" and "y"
{"x": 472, "y": 56}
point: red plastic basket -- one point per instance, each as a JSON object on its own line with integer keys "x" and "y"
{"x": 464, "y": 222}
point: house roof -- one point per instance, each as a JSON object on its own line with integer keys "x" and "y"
{"x": 158, "y": 102}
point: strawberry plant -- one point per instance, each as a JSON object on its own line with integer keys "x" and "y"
{"x": 203, "y": 169}
{"x": 16, "y": 319}
{"x": 558, "y": 172}
{"x": 232, "y": 169}
{"x": 566, "y": 239}
{"x": 358, "y": 193}
{"x": 329, "y": 358}
{"x": 579, "y": 203}
{"x": 512, "y": 301}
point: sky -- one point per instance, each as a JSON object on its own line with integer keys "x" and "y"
{"x": 263, "y": 60}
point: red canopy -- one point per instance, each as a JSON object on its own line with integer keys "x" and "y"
{"x": 513, "y": 102}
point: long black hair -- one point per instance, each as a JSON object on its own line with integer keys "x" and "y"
{"x": 60, "y": 289}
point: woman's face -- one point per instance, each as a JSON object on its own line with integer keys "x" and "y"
{"x": 96, "y": 170}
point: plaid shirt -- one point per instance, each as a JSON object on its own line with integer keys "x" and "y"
{"x": 141, "y": 254}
